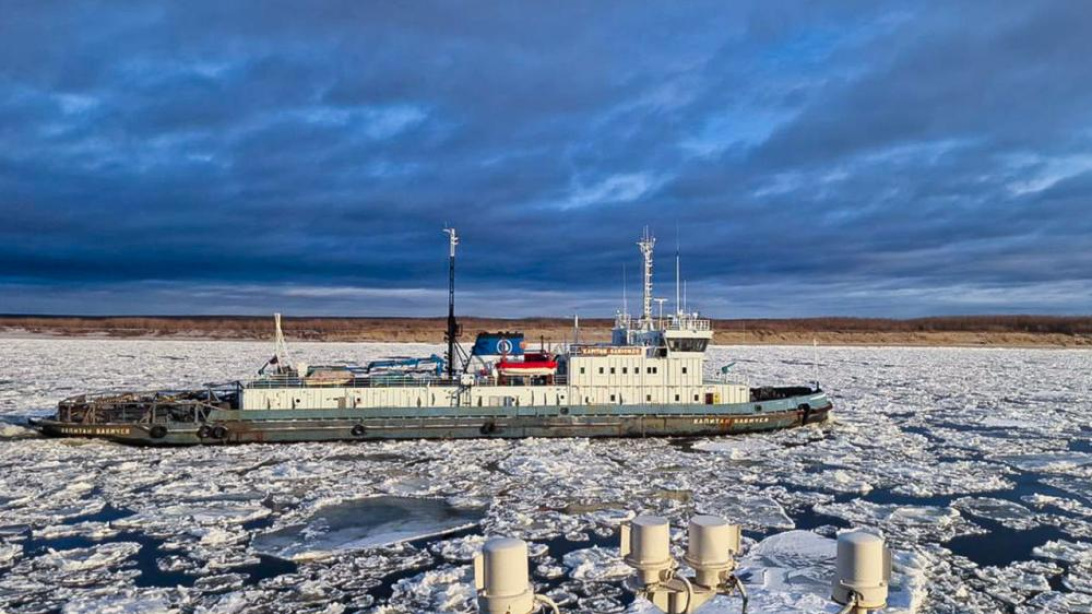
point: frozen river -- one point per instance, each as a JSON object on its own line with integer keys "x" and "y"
{"x": 975, "y": 464}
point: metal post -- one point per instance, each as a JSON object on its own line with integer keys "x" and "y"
{"x": 815, "y": 361}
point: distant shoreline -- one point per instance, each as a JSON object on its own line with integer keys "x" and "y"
{"x": 961, "y": 331}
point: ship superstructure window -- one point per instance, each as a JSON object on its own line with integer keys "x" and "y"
{"x": 684, "y": 370}
{"x": 687, "y": 345}
{"x": 612, "y": 373}
{"x": 600, "y": 370}
{"x": 625, "y": 370}
{"x": 581, "y": 370}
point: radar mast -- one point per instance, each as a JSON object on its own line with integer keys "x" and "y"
{"x": 646, "y": 244}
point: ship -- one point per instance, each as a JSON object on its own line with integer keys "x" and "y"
{"x": 649, "y": 380}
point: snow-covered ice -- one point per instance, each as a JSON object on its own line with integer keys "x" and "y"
{"x": 975, "y": 464}
{"x": 358, "y": 524}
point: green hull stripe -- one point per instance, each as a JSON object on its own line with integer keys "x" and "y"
{"x": 815, "y": 401}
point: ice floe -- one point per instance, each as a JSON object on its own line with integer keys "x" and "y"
{"x": 927, "y": 445}
{"x": 363, "y": 523}
{"x": 1008, "y": 513}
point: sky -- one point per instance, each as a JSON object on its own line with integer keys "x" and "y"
{"x": 859, "y": 158}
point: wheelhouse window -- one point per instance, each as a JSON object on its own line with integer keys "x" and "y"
{"x": 687, "y": 345}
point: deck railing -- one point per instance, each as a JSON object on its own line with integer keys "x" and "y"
{"x": 397, "y": 381}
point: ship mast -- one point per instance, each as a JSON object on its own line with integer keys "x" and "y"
{"x": 646, "y": 244}
{"x": 678, "y": 305}
{"x": 280, "y": 348}
{"x": 452, "y": 324}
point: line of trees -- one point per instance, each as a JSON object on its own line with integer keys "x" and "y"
{"x": 1065, "y": 325}
{"x": 319, "y": 328}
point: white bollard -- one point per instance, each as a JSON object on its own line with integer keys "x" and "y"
{"x": 502, "y": 578}
{"x": 713, "y": 544}
{"x": 646, "y": 546}
{"x": 860, "y": 580}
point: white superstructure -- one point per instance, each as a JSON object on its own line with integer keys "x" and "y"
{"x": 649, "y": 361}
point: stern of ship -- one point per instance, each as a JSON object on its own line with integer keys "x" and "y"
{"x": 160, "y": 417}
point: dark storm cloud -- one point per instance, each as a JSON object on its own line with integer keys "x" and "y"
{"x": 853, "y": 158}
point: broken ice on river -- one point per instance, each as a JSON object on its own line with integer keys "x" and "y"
{"x": 975, "y": 465}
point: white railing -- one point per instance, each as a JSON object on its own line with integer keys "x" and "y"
{"x": 687, "y": 322}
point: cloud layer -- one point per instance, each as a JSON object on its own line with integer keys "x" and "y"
{"x": 859, "y": 158}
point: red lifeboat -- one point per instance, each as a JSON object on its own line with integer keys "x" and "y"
{"x": 532, "y": 365}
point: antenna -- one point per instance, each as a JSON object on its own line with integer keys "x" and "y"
{"x": 625, "y": 301}
{"x": 678, "y": 307}
{"x": 684, "y": 306}
{"x": 646, "y": 244}
{"x": 452, "y": 324}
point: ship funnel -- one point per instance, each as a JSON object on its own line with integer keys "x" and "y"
{"x": 498, "y": 344}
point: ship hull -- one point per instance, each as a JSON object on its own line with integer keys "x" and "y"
{"x": 284, "y": 426}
